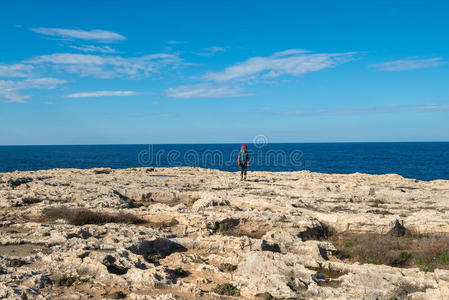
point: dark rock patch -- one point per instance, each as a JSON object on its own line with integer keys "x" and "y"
{"x": 270, "y": 247}
{"x": 156, "y": 249}
{"x": 109, "y": 262}
{"x": 19, "y": 181}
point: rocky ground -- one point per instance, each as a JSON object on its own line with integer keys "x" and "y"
{"x": 204, "y": 234}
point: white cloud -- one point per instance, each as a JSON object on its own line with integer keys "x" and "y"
{"x": 204, "y": 91}
{"x": 101, "y": 94}
{"x": 10, "y": 91}
{"x": 92, "y": 35}
{"x": 289, "y": 62}
{"x": 289, "y": 52}
{"x": 409, "y": 64}
{"x": 17, "y": 70}
{"x": 211, "y": 51}
{"x": 109, "y": 66}
{"x": 92, "y": 48}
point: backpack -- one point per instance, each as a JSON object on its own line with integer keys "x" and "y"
{"x": 243, "y": 157}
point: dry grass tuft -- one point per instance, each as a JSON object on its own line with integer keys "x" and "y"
{"x": 426, "y": 252}
{"x": 82, "y": 216}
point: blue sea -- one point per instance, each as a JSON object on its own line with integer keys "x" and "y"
{"x": 419, "y": 160}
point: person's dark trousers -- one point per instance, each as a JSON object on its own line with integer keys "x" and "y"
{"x": 243, "y": 171}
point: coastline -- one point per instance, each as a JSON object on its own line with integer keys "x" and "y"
{"x": 198, "y": 219}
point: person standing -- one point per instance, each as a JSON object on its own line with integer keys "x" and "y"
{"x": 243, "y": 161}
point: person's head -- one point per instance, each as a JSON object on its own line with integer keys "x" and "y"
{"x": 244, "y": 148}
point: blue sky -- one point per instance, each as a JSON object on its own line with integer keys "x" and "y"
{"x": 111, "y": 72}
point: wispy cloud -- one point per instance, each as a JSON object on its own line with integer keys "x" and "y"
{"x": 289, "y": 52}
{"x": 109, "y": 66}
{"x": 423, "y": 108}
{"x": 410, "y": 64}
{"x": 211, "y": 51}
{"x": 101, "y": 94}
{"x": 16, "y": 70}
{"x": 10, "y": 91}
{"x": 204, "y": 91}
{"x": 92, "y": 48}
{"x": 92, "y": 35}
{"x": 176, "y": 42}
{"x": 292, "y": 62}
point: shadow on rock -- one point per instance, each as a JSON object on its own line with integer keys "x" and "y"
{"x": 157, "y": 249}
{"x": 315, "y": 233}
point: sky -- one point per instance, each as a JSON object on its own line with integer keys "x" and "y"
{"x": 138, "y": 72}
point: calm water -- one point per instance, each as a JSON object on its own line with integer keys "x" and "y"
{"x": 425, "y": 161}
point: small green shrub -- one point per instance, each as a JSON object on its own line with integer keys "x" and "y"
{"x": 194, "y": 260}
{"x": 173, "y": 222}
{"x": 155, "y": 258}
{"x": 267, "y": 296}
{"x": 405, "y": 255}
{"x": 118, "y": 295}
{"x": 67, "y": 281}
{"x": 175, "y": 200}
{"x": 226, "y": 289}
{"x": 180, "y": 272}
{"x": 227, "y": 267}
{"x": 227, "y": 227}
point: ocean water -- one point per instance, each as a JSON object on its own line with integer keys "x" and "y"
{"x": 420, "y": 160}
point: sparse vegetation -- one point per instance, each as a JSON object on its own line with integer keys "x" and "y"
{"x": 226, "y": 289}
{"x": 175, "y": 201}
{"x": 180, "y": 272}
{"x": 267, "y": 296}
{"x": 194, "y": 260}
{"x": 173, "y": 222}
{"x": 227, "y": 267}
{"x": 118, "y": 295}
{"x": 82, "y": 216}
{"x": 155, "y": 258}
{"x": 67, "y": 281}
{"x": 133, "y": 204}
{"x": 283, "y": 218}
{"x": 227, "y": 227}
{"x": 423, "y": 251}
{"x": 321, "y": 232}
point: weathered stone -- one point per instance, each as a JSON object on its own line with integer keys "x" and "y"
{"x": 273, "y": 229}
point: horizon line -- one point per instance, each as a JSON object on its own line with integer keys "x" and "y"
{"x": 227, "y": 143}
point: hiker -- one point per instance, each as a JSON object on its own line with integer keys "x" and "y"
{"x": 243, "y": 161}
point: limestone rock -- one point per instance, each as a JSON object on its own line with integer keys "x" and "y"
{"x": 272, "y": 232}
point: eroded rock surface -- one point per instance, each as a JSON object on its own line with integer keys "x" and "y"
{"x": 267, "y": 236}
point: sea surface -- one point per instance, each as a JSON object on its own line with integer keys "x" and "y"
{"x": 419, "y": 160}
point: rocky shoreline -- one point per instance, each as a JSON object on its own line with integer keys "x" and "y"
{"x": 191, "y": 233}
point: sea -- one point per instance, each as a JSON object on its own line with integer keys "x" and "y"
{"x": 418, "y": 160}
